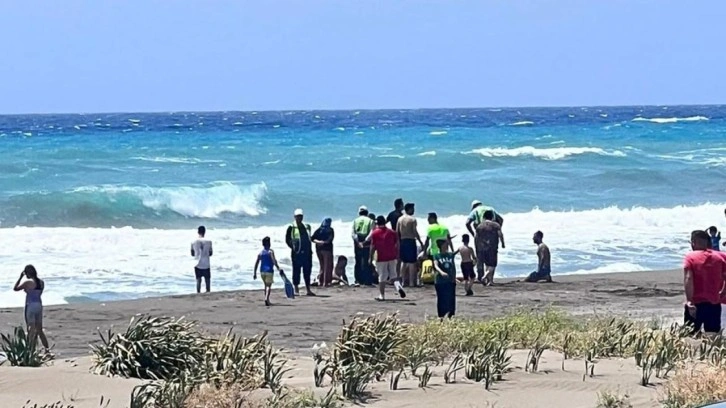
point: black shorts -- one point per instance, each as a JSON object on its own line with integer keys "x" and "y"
{"x": 467, "y": 270}
{"x": 488, "y": 256}
{"x": 201, "y": 273}
{"x": 708, "y": 317}
{"x": 408, "y": 251}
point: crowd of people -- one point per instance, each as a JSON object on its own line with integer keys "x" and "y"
{"x": 390, "y": 250}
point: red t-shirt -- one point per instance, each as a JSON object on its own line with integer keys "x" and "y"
{"x": 708, "y": 269}
{"x": 385, "y": 242}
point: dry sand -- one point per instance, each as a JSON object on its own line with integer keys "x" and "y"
{"x": 297, "y": 324}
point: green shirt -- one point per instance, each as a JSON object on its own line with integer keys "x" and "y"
{"x": 436, "y": 233}
{"x": 362, "y": 227}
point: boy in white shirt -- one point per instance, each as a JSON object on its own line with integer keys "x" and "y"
{"x": 201, "y": 251}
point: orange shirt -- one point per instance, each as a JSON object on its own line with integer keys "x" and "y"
{"x": 709, "y": 268}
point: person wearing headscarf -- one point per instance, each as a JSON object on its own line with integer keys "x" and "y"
{"x": 323, "y": 239}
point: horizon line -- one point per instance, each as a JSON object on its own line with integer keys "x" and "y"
{"x": 364, "y": 109}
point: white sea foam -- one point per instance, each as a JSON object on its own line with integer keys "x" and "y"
{"x": 429, "y": 153}
{"x": 175, "y": 160}
{"x": 546, "y": 153}
{"x": 670, "y": 120}
{"x": 391, "y": 156}
{"x": 438, "y": 133}
{"x": 134, "y": 263}
{"x": 199, "y": 202}
{"x": 522, "y": 123}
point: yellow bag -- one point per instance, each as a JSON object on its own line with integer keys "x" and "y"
{"x": 427, "y": 272}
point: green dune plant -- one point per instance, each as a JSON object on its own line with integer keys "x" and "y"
{"x": 21, "y": 352}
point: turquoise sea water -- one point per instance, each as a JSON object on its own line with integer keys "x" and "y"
{"x": 116, "y": 197}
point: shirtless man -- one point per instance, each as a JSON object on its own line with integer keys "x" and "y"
{"x": 543, "y": 265}
{"x": 467, "y": 264}
{"x": 407, "y": 229}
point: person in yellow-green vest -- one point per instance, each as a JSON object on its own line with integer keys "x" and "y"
{"x": 298, "y": 240}
{"x": 362, "y": 227}
{"x": 436, "y": 232}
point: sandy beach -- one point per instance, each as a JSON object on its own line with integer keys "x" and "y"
{"x": 296, "y": 324}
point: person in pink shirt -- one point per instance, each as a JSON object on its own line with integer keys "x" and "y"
{"x": 704, "y": 278}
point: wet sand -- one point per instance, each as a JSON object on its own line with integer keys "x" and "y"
{"x": 296, "y": 324}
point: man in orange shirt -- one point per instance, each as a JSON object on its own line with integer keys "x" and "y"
{"x": 704, "y": 277}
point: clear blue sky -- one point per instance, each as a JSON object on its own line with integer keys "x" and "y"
{"x": 166, "y": 55}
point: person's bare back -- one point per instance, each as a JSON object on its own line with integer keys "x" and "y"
{"x": 543, "y": 254}
{"x": 467, "y": 254}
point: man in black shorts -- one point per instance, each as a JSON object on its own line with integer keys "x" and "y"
{"x": 407, "y": 229}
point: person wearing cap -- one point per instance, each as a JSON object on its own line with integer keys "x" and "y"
{"x": 362, "y": 227}
{"x": 476, "y": 216}
{"x": 409, "y": 239}
{"x": 298, "y": 239}
{"x": 436, "y": 233}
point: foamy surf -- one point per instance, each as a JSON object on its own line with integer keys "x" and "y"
{"x": 671, "y": 120}
{"x": 546, "y": 153}
{"x": 140, "y": 262}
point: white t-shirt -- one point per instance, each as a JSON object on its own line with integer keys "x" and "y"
{"x": 202, "y": 249}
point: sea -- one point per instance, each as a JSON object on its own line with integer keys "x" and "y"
{"x": 107, "y": 205}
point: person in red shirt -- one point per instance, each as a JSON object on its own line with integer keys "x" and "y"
{"x": 704, "y": 277}
{"x": 384, "y": 243}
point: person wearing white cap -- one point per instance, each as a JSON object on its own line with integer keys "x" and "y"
{"x": 362, "y": 227}
{"x": 298, "y": 240}
{"x": 476, "y": 217}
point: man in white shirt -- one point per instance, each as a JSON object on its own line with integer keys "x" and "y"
{"x": 201, "y": 251}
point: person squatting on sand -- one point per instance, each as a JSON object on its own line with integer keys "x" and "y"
{"x": 384, "y": 245}
{"x": 704, "y": 277}
{"x": 33, "y": 287}
{"x": 266, "y": 261}
{"x": 323, "y": 238}
{"x": 409, "y": 239}
{"x": 201, "y": 251}
{"x": 445, "y": 279}
{"x": 488, "y": 236}
{"x": 362, "y": 227}
{"x": 544, "y": 271}
{"x": 298, "y": 239}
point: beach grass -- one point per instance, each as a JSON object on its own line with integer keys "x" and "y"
{"x": 189, "y": 368}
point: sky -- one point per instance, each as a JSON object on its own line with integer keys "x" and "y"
{"x": 164, "y": 55}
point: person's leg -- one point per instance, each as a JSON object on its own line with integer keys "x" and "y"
{"x": 307, "y": 270}
{"x": 441, "y": 302}
{"x": 321, "y": 270}
{"x": 366, "y": 272}
{"x": 208, "y": 279}
{"x": 480, "y": 266}
{"x": 382, "y": 279}
{"x": 296, "y": 270}
{"x": 39, "y": 329}
{"x": 692, "y": 321}
{"x": 198, "y": 276}
{"x": 268, "y": 290}
{"x": 30, "y": 325}
{"x": 452, "y": 300}
{"x": 328, "y": 270}
{"x": 711, "y": 317}
{"x": 357, "y": 268}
